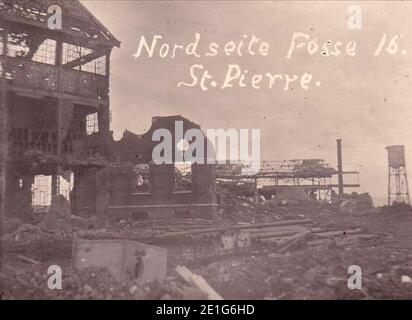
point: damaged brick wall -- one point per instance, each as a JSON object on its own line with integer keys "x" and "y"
{"x": 171, "y": 192}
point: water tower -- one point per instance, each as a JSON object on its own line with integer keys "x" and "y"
{"x": 398, "y": 189}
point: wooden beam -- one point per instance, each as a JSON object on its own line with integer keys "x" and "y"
{"x": 198, "y": 282}
{"x": 350, "y": 172}
{"x": 59, "y": 58}
{"x": 40, "y": 94}
{"x": 292, "y": 241}
{"x": 85, "y": 59}
{"x": 347, "y": 185}
{"x": 236, "y": 227}
{"x": 27, "y": 259}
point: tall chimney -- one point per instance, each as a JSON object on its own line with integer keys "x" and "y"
{"x": 340, "y": 169}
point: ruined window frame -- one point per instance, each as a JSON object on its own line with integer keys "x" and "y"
{"x": 46, "y": 49}
{"x": 72, "y": 52}
{"x": 92, "y": 123}
{"x": 142, "y": 171}
{"x": 184, "y": 182}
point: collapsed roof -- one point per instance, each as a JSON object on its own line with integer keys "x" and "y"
{"x": 78, "y": 21}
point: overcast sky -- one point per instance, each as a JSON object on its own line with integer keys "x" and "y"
{"x": 364, "y": 100}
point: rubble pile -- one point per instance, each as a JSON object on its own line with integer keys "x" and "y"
{"x": 237, "y": 207}
{"x": 91, "y": 283}
{"x": 240, "y": 208}
{"x": 312, "y": 274}
{"x": 256, "y": 249}
{"x": 354, "y": 203}
{"x": 49, "y": 226}
{"x": 28, "y": 233}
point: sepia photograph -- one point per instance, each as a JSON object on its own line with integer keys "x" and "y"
{"x": 205, "y": 150}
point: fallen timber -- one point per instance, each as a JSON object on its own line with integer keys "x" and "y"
{"x": 234, "y": 227}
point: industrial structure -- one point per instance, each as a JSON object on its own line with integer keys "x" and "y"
{"x": 298, "y": 179}
{"x": 398, "y": 188}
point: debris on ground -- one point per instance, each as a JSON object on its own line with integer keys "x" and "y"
{"x": 91, "y": 283}
{"x": 263, "y": 251}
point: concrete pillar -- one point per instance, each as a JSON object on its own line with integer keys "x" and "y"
{"x": 18, "y": 194}
{"x": 204, "y": 185}
{"x": 102, "y": 196}
{"x": 161, "y": 180}
{"x": 54, "y": 187}
{"x": 103, "y": 118}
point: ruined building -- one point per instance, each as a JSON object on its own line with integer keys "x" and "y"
{"x": 140, "y": 188}
{"x": 55, "y": 126}
{"x": 54, "y": 103}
